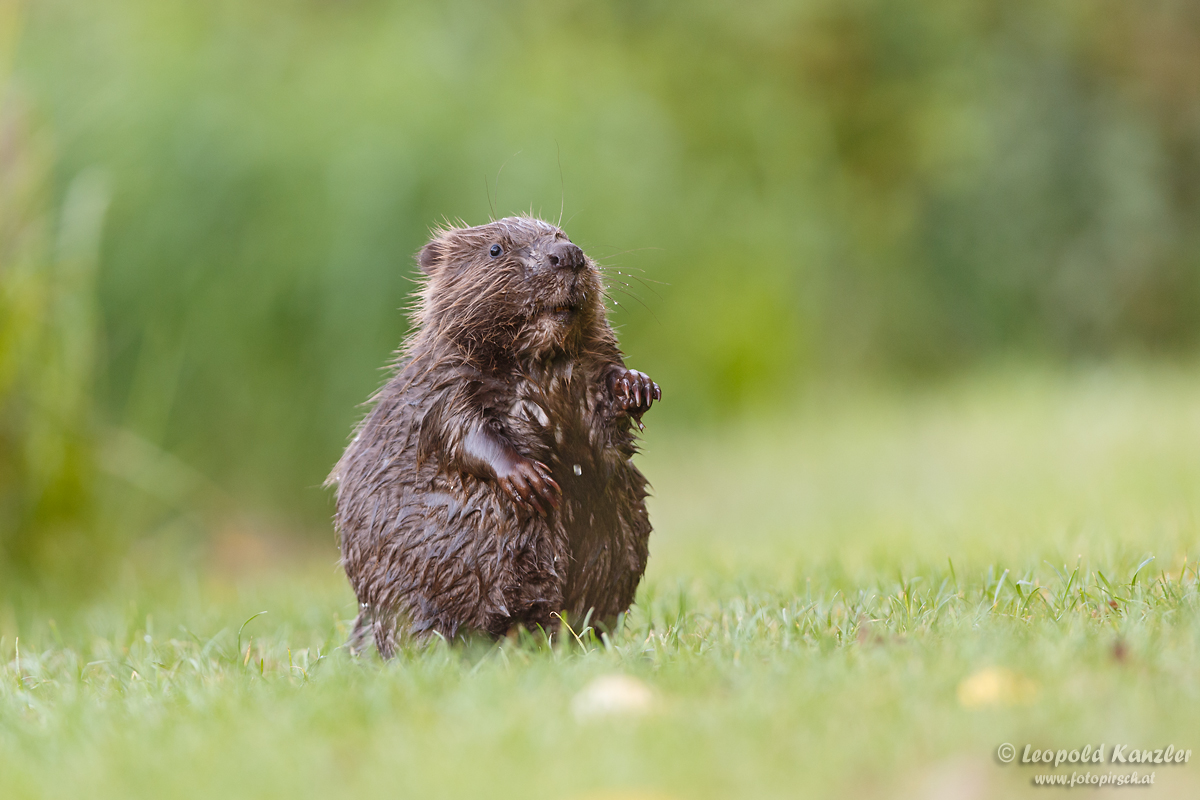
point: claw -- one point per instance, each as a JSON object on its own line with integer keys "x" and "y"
{"x": 531, "y": 487}
{"x": 634, "y": 393}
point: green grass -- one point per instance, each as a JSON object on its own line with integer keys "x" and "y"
{"x": 862, "y": 599}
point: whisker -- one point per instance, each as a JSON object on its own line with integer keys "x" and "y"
{"x": 630, "y": 293}
{"x": 603, "y": 267}
{"x": 648, "y": 286}
{"x": 562, "y": 185}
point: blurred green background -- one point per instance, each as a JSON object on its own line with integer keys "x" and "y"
{"x": 208, "y": 213}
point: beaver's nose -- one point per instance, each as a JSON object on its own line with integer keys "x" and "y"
{"x": 564, "y": 255}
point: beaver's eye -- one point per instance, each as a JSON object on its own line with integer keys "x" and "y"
{"x": 495, "y": 251}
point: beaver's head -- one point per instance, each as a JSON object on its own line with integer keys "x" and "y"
{"x": 512, "y": 289}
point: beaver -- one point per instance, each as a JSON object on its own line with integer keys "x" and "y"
{"x": 492, "y": 484}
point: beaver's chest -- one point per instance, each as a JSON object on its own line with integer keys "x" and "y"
{"x": 559, "y": 422}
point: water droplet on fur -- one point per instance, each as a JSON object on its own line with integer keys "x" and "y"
{"x": 577, "y": 469}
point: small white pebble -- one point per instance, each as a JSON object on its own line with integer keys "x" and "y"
{"x": 578, "y": 469}
{"x": 994, "y": 686}
{"x": 612, "y": 696}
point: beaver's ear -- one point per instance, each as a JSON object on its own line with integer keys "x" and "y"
{"x": 431, "y": 255}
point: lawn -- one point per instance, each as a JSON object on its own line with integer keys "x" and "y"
{"x": 864, "y": 597}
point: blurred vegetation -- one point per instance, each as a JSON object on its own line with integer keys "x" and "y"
{"x": 47, "y": 341}
{"x": 793, "y": 192}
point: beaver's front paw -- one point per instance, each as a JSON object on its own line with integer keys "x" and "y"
{"x": 529, "y": 483}
{"x": 633, "y": 392}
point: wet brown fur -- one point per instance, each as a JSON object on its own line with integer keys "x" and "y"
{"x": 430, "y": 540}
